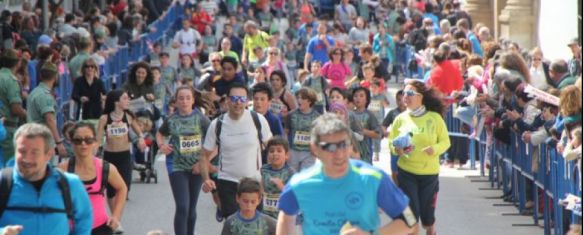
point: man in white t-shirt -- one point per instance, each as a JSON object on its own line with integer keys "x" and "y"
{"x": 239, "y": 151}
{"x": 188, "y": 40}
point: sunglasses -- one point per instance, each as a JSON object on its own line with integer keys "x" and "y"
{"x": 238, "y": 99}
{"x": 79, "y": 141}
{"x": 411, "y": 93}
{"x": 333, "y": 147}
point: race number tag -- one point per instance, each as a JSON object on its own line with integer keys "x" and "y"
{"x": 320, "y": 97}
{"x": 375, "y": 106}
{"x": 302, "y": 138}
{"x": 276, "y": 107}
{"x": 270, "y": 202}
{"x": 117, "y": 129}
{"x": 190, "y": 144}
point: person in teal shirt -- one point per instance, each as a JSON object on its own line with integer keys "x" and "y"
{"x": 339, "y": 195}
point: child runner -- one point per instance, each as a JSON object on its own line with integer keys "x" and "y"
{"x": 275, "y": 174}
{"x": 297, "y": 125}
{"x": 248, "y": 220}
{"x": 169, "y": 74}
{"x": 283, "y": 101}
{"x": 160, "y": 90}
{"x": 387, "y": 122}
{"x": 370, "y": 125}
{"x": 318, "y": 84}
{"x": 378, "y": 101}
{"x": 180, "y": 138}
{"x": 302, "y": 76}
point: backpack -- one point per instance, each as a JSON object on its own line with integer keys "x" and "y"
{"x": 6, "y": 188}
{"x": 104, "y": 173}
{"x": 255, "y": 117}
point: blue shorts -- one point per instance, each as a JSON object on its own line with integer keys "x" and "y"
{"x": 394, "y": 159}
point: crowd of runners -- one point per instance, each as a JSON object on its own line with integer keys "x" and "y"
{"x": 276, "y": 108}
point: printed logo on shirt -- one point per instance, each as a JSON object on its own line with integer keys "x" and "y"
{"x": 354, "y": 200}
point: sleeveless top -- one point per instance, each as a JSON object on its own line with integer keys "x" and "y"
{"x": 96, "y": 196}
{"x": 276, "y": 107}
{"x": 117, "y": 130}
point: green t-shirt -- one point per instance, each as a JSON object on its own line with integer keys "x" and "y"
{"x": 76, "y": 63}
{"x": 299, "y": 125}
{"x": 229, "y": 54}
{"x": 39, "y": 102}
{"x": 186, "y": 135}
{"x": 9, "y": 94}
{"x": 428, "y": 130}
{"x": 261, "y": 39}
{"x": 270, "y": 191}
{"x": 261, "y": 224}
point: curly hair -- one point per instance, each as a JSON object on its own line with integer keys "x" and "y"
{"x": 514, "y": 61}
{"x": 149, "y": 77}
{"x": 570, "y": 101}
{"x": 432, "y": 99}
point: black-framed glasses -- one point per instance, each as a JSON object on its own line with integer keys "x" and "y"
{"x": 90, "y": 66}
{"x": 333, "y": 147}
{"x": 238, "y": 99}
{"x": 79, "y": 141}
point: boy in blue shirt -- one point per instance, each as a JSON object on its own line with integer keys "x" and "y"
{"x": 248, "y": 220}
{"x": 341, "y": 195}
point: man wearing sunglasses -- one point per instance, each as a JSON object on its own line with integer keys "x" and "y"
{"x": 338, "y": 195}
{"x": 238, "y": 145}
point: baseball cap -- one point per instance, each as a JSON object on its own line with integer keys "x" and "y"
{"x": 574, "y": 41}
{"x": 45, "y": 40}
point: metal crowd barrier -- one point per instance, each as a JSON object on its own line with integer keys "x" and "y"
{"x": 511, "y": 166}
{"x": 114, "y": 71}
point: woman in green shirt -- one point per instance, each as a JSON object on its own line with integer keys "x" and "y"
{"x": 418, "y": 136}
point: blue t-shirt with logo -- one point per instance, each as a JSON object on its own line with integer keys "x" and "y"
{"x": 318, "y": 49}
{"x": 327, "y": 204}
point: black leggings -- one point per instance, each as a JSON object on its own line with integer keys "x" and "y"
{"x": 422, "y": 192}
{"x": 123, "y": 162}
{"x": 102, "y": 230}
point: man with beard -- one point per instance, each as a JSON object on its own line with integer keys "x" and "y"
{"x": 41, "y": 104}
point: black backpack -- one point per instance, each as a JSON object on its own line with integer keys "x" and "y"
{"x": 255, "y": 117}
{"x": 104, "y": 173}
{"x": 6, "y": 188}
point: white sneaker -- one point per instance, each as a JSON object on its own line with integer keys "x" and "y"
{"x": 119, "y": 230}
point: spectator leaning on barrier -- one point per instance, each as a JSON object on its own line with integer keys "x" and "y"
{"x": 37, "y": 186}
{"x": 41, "y": 104}
{"x": 85, "y": 48}
{"x": 11, "y": 107}
{"x": 559, "y": 73}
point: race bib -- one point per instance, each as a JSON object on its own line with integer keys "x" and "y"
{"x": 117, "y": 129}
{"x": 270, "y": 202}
{"x": 276, "y": 107}
{"x": 320, "y": 97}
{"x": 375, "y": 106}
{"x": 190, "y": 144}
{"x": 302, "y": 138}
